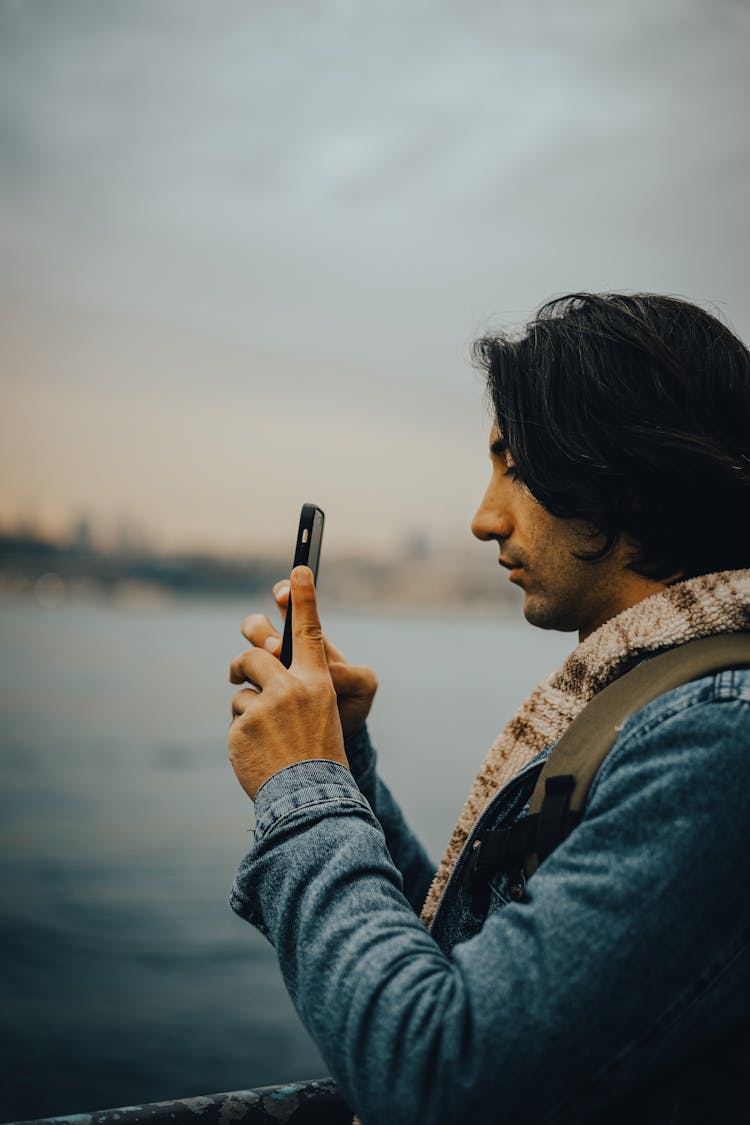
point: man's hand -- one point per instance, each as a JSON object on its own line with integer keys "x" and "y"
{"x": 355, "y": 685}
{"x": 288, "y": 716}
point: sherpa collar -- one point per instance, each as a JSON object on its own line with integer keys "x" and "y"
{"x": 696, "y": 607}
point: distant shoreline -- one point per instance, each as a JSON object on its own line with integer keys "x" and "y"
{"x": 53, "y": 574}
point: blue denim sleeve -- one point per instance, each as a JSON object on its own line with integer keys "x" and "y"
{"x": 407, "y": 853}
{"x": 637, "y": 917}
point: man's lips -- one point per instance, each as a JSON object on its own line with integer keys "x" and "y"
{"x": 514, "y": 568}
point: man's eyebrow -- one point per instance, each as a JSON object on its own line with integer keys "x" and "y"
{"x": 498, "y": 447}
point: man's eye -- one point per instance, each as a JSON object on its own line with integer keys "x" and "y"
{"x": 512, "y": 472}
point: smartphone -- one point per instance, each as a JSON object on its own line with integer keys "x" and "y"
{"x": 306, "y": 553}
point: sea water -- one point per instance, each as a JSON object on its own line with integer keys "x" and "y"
{"x": 126, "y": 977}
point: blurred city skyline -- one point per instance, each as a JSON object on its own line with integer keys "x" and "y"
{"x": 246, "y": 248}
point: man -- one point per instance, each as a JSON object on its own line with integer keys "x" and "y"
{"x": 614, "y": 984}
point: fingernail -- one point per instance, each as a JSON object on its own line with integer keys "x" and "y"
{"x": 282, "y": 590}
{"x": 273, "y": 644}
{"x": 303, "y": 576}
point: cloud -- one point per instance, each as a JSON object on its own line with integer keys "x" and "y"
{"x": 357, "y": 189}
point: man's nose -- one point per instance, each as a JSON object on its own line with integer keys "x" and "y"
{"x": 491, "y": 522}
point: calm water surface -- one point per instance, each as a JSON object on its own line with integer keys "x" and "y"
{"x": 126, "y": 977}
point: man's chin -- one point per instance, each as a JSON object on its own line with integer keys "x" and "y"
{"x": 545, "y": 615}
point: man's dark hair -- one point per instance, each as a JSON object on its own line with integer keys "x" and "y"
{"x": 631, "y": 413}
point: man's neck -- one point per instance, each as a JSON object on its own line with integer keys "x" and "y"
{"x": 632, "y": 589}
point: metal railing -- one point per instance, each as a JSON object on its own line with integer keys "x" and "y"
{"x": 299, "y": 1103}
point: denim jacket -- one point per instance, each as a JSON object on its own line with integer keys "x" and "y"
{"x": 617, "y": 989}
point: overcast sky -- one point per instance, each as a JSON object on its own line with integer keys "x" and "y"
{"x": 246, "y": 246}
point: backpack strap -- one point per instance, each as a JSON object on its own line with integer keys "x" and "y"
{"x": 560, "y": 791}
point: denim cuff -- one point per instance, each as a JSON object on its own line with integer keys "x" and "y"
{"x": 360, "y": 753}
{"x": 305, "y": 783}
